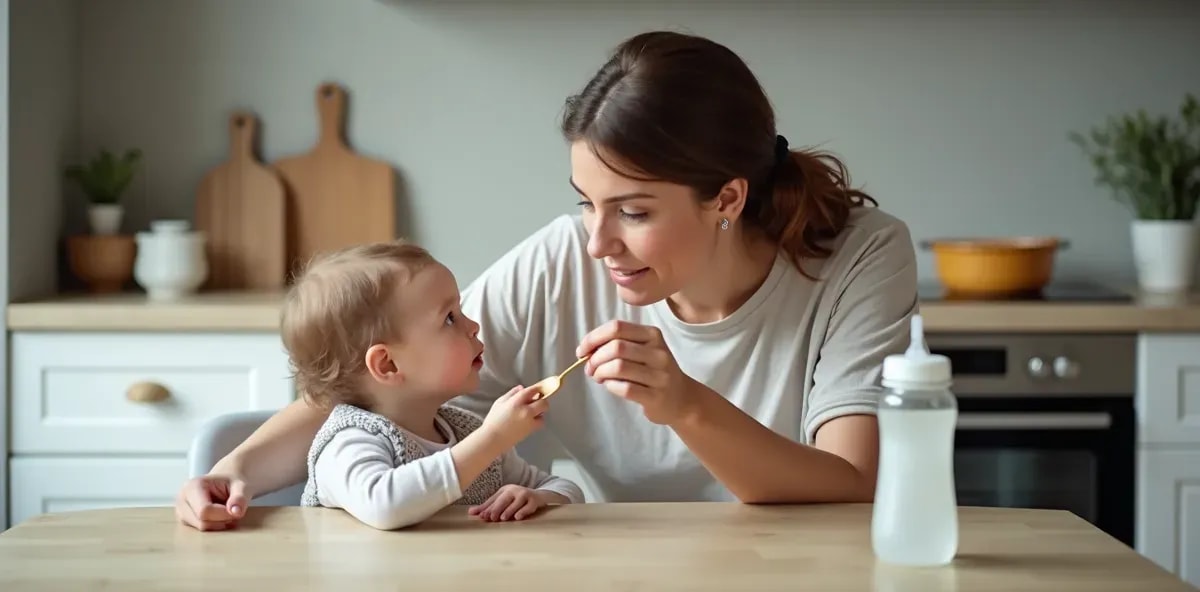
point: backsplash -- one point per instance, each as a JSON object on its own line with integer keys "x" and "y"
{"x": 953, "y": 116}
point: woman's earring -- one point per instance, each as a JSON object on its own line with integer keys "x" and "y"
{"x": 724, "y": 223}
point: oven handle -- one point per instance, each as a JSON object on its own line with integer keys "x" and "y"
{"x": 1034, "y": 421}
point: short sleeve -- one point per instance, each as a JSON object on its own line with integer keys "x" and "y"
{"x": 510, "y": 300}
{"x": 869, "y": 320}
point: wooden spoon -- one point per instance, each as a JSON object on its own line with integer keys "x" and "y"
{"x": 550, "y": 385}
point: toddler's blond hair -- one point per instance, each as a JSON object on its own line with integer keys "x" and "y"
{"x": 340, "y": 304}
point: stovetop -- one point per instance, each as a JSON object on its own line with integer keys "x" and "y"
{"x": 932, "y": 291}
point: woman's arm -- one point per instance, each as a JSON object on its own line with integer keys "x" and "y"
{"x": 759, "y": 465}
{"x": 274, "y": 455}
{"x": 271, "y": 458}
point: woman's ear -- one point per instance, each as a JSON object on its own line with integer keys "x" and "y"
{"x": 732, "y": 199}
{"x": 382, "y": 366}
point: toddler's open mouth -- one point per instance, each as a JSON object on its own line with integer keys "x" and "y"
{"x": 477, "y": 363}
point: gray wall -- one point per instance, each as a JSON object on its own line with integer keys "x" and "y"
{"x": 43, "y": 115}
{"x": 952, "y": 114}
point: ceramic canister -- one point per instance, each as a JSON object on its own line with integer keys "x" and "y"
{"x": 171, "y": 262}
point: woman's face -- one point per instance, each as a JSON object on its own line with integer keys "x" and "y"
{"x": 654, "y": 237}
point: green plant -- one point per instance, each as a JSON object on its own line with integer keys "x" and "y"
{"x": 1152, "y": 164}
{"x": 105, "y": 177}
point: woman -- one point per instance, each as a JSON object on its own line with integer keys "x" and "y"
{"x": 737, "y": 299}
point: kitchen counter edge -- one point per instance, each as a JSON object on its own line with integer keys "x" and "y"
{"x": 259, "y": 312}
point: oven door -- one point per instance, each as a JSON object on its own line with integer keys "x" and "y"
{"x": 1073, "y": 454}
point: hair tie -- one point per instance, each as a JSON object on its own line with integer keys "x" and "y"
{"x": 781, "y": 150}
{"x": 782, "y": 156}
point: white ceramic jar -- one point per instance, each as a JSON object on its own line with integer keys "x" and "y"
{"x": 171, "y": 262}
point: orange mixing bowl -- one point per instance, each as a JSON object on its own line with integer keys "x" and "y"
{"x": 994, "y": 267}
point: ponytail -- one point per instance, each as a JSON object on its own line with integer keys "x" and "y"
{"x": 808, "y": 202}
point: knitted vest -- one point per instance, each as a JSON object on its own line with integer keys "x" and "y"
{"x": 402, "y": 446}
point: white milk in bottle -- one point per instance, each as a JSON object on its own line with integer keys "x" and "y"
{"x": 915, "y": 517}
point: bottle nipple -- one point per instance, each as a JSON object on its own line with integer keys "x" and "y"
{"x": 917, "y": 347}
{"x": 917, "y": 364}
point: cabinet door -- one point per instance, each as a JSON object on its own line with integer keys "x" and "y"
{"x": 1168, "y": 510}
{"x": 65, "y": 484}
{"x": 1168, "y": 389}
{"x": 71, "y": 392}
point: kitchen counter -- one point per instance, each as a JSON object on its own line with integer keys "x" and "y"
{"x": 259, "y": 311}
{"x": 651, "y": 546}
{"x": 131, "y": 311}
{"x": 1149, "y": 313}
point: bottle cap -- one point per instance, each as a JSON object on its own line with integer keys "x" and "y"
{"x": 916, "y": 367}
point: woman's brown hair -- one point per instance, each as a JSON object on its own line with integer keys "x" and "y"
{"x": 687, "y": 110}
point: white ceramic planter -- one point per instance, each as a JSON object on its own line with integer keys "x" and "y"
{"x": 1164, "y": 253}
{"x": 105, "y": 218}
{"x": 171, "y": 262}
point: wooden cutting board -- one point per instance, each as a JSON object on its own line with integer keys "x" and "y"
{"x": 241, "y": 207}
{"x": 336, "y": 197}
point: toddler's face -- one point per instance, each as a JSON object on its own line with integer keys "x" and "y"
{"x": 441, "y": 352}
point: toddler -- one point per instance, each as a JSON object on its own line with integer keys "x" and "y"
{"x": 375, "y": 333}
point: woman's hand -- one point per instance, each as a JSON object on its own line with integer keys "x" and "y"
{"x": 212, "y": 502}
{"x": 633, "y": 362}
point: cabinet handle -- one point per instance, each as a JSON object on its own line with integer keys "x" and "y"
{"x": 147, "y": 392}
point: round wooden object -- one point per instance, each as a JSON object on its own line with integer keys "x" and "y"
{"x": 103, "y": 262}
{"x": 147, "y": 392}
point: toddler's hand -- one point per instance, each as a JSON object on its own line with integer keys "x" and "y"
{"x": 511, "y": 502}
{"x": 515, "y": 415}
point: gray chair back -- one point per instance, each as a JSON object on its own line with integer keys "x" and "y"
{"x": 220, "y": 435}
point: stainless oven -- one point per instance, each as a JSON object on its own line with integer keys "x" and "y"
{"x": 1046, "y": 421}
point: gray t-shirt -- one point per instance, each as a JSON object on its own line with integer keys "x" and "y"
{"x": 797, "y": 354}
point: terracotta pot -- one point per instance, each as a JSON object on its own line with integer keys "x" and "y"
{"x": 103, "y": 262}
{"x": 994, "y": 267}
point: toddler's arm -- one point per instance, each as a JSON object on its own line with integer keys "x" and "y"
{"x": 355, "y": 472}
{"x": 516, "y": 471}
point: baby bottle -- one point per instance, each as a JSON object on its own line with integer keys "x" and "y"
{"x": 915, "y": 516}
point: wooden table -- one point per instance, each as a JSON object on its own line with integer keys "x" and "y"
{"x": 656, "y": 547}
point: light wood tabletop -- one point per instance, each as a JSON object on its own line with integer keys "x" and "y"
{"x": 662, "y": 546}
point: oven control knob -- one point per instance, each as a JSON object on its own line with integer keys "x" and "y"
{"x": 1065, "y": 367}
{"x": 1038, "y": 368}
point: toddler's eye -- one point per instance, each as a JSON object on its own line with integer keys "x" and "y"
{"x": 450, "y": 319}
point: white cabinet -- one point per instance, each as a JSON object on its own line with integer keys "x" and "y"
{"x": 62, "y": 484}
{"x": 1169, "y": 510}
{"x": 1168, "y": 458}
{"x": 103, "y": 419}
{"x": 1168, "y": 394}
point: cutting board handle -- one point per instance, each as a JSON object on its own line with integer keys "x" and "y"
{"x": 243, "y": 127}
{"x": 331, "y": 106}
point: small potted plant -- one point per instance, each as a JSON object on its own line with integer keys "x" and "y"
{"x": 1152, "y": 165}
{"x": 104, "y": 180}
